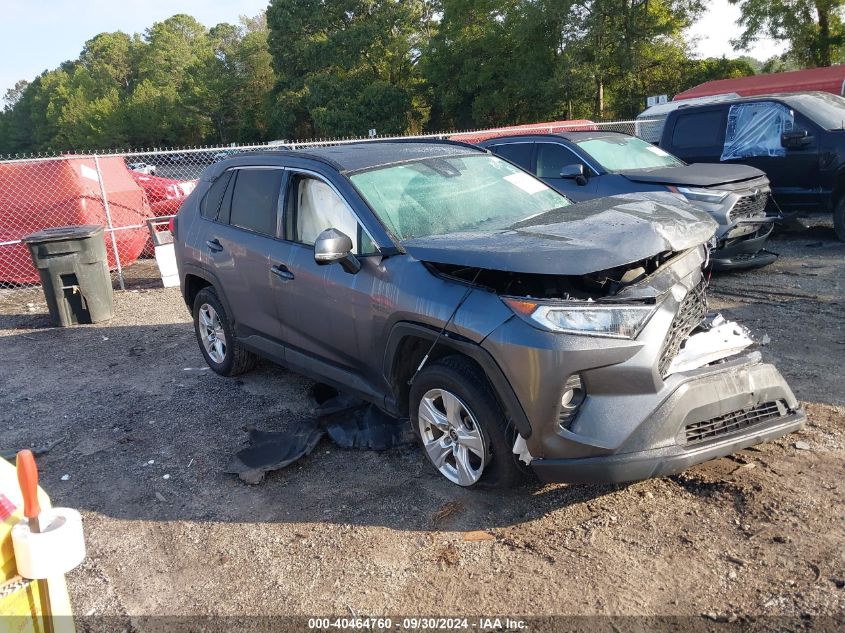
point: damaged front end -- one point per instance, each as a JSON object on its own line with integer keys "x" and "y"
{"x": 618, "y": 303}
{"x": 590, "y": 286}
{"x": 620, "y": 368}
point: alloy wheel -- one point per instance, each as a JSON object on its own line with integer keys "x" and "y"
{"x": 451, "y": 437}
{"x": 212, "y": 335}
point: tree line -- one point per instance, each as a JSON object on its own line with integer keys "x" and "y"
{"x": 311, "y": 68}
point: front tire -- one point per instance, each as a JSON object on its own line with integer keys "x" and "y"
{"x": 216, "y": 337}
{"x": 461, "y": 426}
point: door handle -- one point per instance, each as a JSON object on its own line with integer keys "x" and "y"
{"x": 282, "y": 272}
{"x": 214, "y": 245}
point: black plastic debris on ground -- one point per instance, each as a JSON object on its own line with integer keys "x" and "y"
{"x": 272, "y": 450}
{"x": 348, "y": 421}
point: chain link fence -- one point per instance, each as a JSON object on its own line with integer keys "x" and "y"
{"x": 130, "y": 192}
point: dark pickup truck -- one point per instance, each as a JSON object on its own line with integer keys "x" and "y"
{"x": 797, "y": 139}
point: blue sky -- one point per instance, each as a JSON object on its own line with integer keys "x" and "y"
{"x": 36, "y": 35}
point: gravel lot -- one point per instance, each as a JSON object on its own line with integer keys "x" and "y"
{"x": 146, "y": 432}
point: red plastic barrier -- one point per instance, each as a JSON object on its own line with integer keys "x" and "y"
{"x": 35, "y": 195}
{"x": 550, "y": 127}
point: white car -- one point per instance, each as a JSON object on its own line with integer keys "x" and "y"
{"x": 143, "y": 168}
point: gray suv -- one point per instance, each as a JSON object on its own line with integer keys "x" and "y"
{"x": 513, "y": 328}
{"x": 588, "y": 165}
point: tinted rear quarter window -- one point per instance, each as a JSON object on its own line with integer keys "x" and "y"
{"x": 255, "y": 200}
{"x": 696, "y": 130}
{"x": 517, "y": 153}
{"x": 212, "y": 201}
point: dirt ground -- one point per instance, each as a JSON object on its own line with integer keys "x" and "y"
{"x": 146, "y": 431}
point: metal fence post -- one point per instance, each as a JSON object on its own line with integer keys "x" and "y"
{"x": 108, "y": 219}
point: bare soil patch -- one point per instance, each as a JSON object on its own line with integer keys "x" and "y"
{"x": 146, "y": 431}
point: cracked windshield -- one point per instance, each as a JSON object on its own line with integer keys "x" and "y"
{"x": 454, "y": 195}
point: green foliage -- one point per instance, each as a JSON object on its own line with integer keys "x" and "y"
{"x": 111, "y": 60}
{"x": 14, "y": 94}
{"x": 491, "y": 63}
{"x": 780, "y": 64}
{"x": 515, "y": 61}
{"x": 698, "y": 71}
{"x": 813, "y": 28}
{"x": 177, "y": 84}
{"x": 317, "y": 68}
{"x": 348, "y": 66}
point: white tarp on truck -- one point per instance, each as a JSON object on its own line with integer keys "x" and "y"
{"x": 754, "y": 129}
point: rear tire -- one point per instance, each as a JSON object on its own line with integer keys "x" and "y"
{"x": 216, "y": 337}
{"x": 839, "y": 219}
{"x": 461, "y": 426}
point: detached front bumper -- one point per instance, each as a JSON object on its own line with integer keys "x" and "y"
{"x": 711, "y": 413}
{"x": 744, "y": 252}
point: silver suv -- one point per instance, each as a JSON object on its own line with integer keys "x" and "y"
{"x": 444, "y": 284}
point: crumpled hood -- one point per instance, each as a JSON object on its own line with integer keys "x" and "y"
{"x": 583, "y": 238}
{"x": 695, "y": 175}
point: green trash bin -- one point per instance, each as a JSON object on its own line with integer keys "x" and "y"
{"x": 74, "y": 271}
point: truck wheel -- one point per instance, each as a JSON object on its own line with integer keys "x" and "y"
{"x": 216, "y": 338}
{"x": 839, "y": 219}
{"x": 461, "y": 426}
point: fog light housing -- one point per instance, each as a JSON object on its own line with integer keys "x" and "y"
{"x": 571, "y": 400}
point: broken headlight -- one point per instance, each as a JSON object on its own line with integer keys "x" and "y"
{"x": 703, "y": 195}
{"x": 618, "y": 321}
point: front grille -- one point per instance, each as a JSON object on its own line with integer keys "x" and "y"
{"x": 749, "y": 206}
{"x": 735, "y": 421}
{"x": 690, "y": 314}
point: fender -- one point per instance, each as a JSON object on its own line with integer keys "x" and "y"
{"x": 503, "y": 389}
{"x": 211, "y": 278}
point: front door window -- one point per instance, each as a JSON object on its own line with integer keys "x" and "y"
{"x": 754, "y": 129}
{"x": 552, "y": 158}
{"x": 314, "y": 207}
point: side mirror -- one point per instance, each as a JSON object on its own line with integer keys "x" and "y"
{"x": 335, "y": 246}
{"x": 796, "y": 139}
{"x": 574, "y": 172}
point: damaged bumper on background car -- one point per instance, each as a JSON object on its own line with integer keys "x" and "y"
{"x": 739, "y": 206}
{"x": 744, "y": 251}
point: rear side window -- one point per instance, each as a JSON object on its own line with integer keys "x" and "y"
{"x": 698, "y": 130}
{"x": 552, "y": 157}
{"x": 210, "y": 207}
{"x": 517, "y": 153}
{"x": 255, "y": 200}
